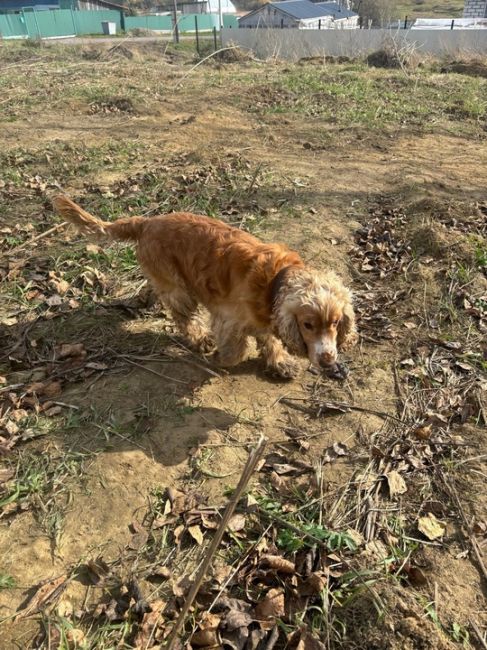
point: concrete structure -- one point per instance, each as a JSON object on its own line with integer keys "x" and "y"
{"x": 301, "y": 14}
{"x": 295, "y": 44}
{"x": 450, "y": 23}
{"x": 475, "y": 9}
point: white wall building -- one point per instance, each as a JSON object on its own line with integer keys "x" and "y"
{"x": 301, "y": 14}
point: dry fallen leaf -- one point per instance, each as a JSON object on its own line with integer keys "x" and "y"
{"x": 431, "y": 527}
{"x": 357, "y": 537}
{"x": 278, "y": 563}
{"x": 272, "y": 606}
{"x": 70, "y": 350}
{"x": 424, "y": 432}
{"x": 313, "y": 585}
{"x": 335, "y": 451}
{"x": 162, "y": 573}
{"x": 396, "y": 483}
{"x": 207, "y": 636}
{"x": 236, "y": 523}
{"x": 148, "y": 626}
{"x": 97, "y": 569}
{"x": 75, "y": 637}
{"x": 303, "y": 639}
{"x": 196, "y": 534}
{"x": 44, "y": 596}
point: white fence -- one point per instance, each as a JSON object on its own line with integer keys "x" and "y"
{"x": 296, "y": 44}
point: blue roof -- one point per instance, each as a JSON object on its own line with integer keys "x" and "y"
{"x": 301, "y": 9}
{"x": 334, "y": 9}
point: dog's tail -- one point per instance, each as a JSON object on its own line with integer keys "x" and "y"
{"x": 128, "y": 228}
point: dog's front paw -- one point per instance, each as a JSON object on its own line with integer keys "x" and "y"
{"x": 205, "y": 344}
{"x": 287, "y": 369}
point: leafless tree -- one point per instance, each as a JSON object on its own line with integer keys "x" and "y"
{"x": 380, "y": 12}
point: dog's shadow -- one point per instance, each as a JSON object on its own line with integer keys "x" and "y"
{"x": 142, "y": 393}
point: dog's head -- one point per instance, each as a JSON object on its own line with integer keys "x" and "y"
{"x": 314, "y": 317}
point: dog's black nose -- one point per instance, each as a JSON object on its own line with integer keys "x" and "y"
{"x": 327, "y": 359}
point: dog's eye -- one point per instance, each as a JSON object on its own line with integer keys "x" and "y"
{"x": 308, "y": 326}
{"x": 335, "y": 322}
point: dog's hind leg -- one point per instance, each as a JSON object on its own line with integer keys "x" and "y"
{"x": 279, "y": 363}
{"x": 184, "y": 310}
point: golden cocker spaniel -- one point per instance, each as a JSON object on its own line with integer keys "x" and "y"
{"x": 249, "y": 288}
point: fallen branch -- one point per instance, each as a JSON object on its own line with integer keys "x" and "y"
{"x": 338, "y": 407}
{"x": 248, "y": 470}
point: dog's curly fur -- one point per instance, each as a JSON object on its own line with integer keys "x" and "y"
{"x": 250, "y": 288}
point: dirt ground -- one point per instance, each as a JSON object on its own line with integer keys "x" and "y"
{"x": 377, "y": 174}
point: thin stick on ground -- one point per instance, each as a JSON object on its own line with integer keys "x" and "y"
{"x": 223, "y": 49}
{"x": 41, "y": 236}
{"x": 340, "y": 407}
{"x": 473, "y": 542}
{"x": 248, "y": 470}
{"x": 478, "y": 634}
{"x": 154, "y": 372}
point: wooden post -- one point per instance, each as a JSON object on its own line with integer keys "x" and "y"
{"x": 214, "y": 39}
{"x": 319, "y": 23}
{"x": 176, "y": 28}
{"x": 452, "y": 24}
{"x": 196, "y": 32}
{"x": 406, "y": 23}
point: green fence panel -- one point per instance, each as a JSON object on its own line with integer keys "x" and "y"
{"x": 206, "y": 22}
{"x": 154, "y": 23}
{"x": 89, "y": 22}
{"x": 49, "y": 24}
{"x": 12, "y": 26}
{"x": 230, "y": 21}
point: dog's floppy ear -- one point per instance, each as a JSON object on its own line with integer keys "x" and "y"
{"x": 288, "y": 331}
{"x": 347, "y": 335}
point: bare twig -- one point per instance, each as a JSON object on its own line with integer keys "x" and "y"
{"x": 41, "y": 236}
{"x": 473, "y": 542}
{"x": 223, "y": 49}
{"x": 154, "y": 372}
{"x": 339, "y": 407}
{"x": 478, "y": 633}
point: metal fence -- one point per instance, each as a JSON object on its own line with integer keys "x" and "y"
{"x": 59, "y": 23}
{"x": 295, "y": 44}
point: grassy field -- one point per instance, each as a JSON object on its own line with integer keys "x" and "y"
{"x": 431, "y": 9}
{"x": 364, "y": 525}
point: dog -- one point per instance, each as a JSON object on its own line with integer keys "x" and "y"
{"x": 250, "y": 288}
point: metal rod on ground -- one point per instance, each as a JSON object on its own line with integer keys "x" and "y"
{"x": 248, "y": 470}
{"x": 196, "y": 32}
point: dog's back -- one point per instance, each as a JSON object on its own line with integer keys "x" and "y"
{"x": 207, "y": 257}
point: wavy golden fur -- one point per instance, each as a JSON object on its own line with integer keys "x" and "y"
{"x": 249, "y": 288}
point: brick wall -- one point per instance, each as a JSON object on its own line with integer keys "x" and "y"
{"x": 475, "y": 9}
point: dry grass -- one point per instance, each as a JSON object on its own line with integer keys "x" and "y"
{"x": 121, "y": 447}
